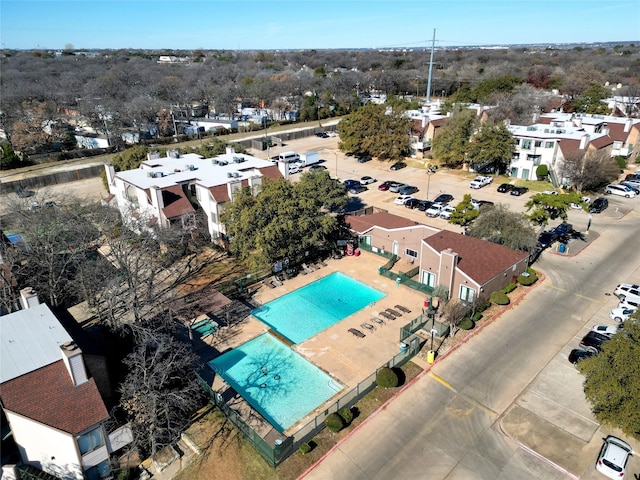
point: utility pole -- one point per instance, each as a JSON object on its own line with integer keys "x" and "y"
{"x": 433, "y": 43}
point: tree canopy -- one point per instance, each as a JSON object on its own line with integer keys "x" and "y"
{"x": 545, "y": 207}
{"x": 372, "y": 131}
{"x": 493, "y": 145}
{"x": 284, "y": 220}
{"x": 612, "y": 379}
{"x": 464, "y": 213}
{"x": 500, "y": 225}
{"x": 589, "y": 171}
{"x": 451, "y": 144}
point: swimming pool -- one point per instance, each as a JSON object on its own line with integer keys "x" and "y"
{"x": 303, "y": 313}
{"x": 275, "y": 380}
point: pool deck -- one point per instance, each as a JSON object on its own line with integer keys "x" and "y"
{"x": 345, "y": 357}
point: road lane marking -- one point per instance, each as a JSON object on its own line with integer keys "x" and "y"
{"x": 472, "y": 401}
{"x": 546, "y": 284}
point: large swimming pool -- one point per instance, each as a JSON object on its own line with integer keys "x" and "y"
{"x": 303, "y": 313}
{"x": 275, "y": 380}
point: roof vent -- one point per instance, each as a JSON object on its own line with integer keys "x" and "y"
{"x": 229, "y": 174}
{"x": 69, "y": 346}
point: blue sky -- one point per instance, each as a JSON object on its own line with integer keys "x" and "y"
{"x": 297, "y": 24}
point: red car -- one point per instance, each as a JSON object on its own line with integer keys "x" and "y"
{"x": 384, "y": 186}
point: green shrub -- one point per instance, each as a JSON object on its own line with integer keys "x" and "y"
{"x": 542, "y": 171}
{"x": 466, "y": 324}
{"x": 531, "y": 271}
{"x": 621, "y": 161}
{"x": 500, "y": 298}
{"x": 476, "y": 317}
{"x": 307, "y": 447}
{"x": 526, "y": 281}
{"x": 509, "y": 288}
{"x": 346, "y": 414}
{"x": 334, "y": 422}
{"x": 387, "y": 378}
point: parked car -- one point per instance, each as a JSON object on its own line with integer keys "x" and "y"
{"x": 313, "y": 168}
{"x": 322, "y": 135}
{"x": 505, "y": 187}
{"x": 629, "y": 291}
{"x": 634, "y": 182}
{"x": 349, "y": 184}
{"x": 384, "y": 186}
{"x": 546, "y": 238}
{"x": 517, "y": 191}
{"x": 578, "y": 355}
{"x": 366, "y": 180}
{"x": 622, "y": 190}
{"x": 627, "y": 303}
{"x": 563, "y": 229}
{"x": 358, "y": 189}
{"x": 583, "y": 201}
{"x": 446, "y": 211}
{"x": 395, "y": 188}
{"x": 614, "y": 457}
{"x": 606, "y": 329}
{"x": 363, "y": 159}
{"x": 424, "y": 205}
{"x": 599, "y": 205}
{"x": 412, "y": 203}
{"x": 408, "y": 190}
{"x": 434, "y": 210}
{"x": 443, "y": 198}
{"x": 478, "y": 204}
{"x": 398, "y": 166}
{"x": 593, "y": 341}
{"x": 402, "y": 199}
{"x": 621, "y": 314}
{"x": 635, "y": 188}
{"x": 480, "y": 181}
{"x": 633, "y": 176}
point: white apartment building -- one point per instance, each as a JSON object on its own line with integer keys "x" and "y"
{"x": 172, "y": 189}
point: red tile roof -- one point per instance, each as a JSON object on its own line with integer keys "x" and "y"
{"x": 48, "y": 396}
{"x": 220, "y": 193}
{"x": 479, "y": 259}
{"x": 616, "y": 131}
{"x": 385, "y": 220}
{"x": 175, "y": 202}
{"x": 271, "y": 172}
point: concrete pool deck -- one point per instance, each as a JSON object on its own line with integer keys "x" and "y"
{"x": 347, "y": 358}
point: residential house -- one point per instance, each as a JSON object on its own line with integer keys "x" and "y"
{"x": 176, "y": 188}
{"x": 469, "y": 267}
{"x": 56, "y": 413}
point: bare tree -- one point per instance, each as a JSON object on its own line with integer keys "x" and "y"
{"x": 589, "y": 171}
{"x": 455, "y": 311}
{"x": 161, "y": 390}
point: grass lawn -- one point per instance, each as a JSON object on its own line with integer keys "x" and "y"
{"x": 226, "y": 454}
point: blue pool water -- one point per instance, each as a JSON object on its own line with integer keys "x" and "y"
{"x": 275, "y": 380}
{"x": 303, "y": 313}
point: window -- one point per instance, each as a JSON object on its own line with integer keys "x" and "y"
{"x": 535, "y": 159}
{"x": 214, "y": 218}
{"x": 102, "y": 470}
{"x": 429, "y": 279}
{"x": 90, "y": 440}
{"x": 467, "y": 294}
{"x": 365, "y": 239}
{"x": 411, "y": 253}
{"x": 515, "y": 156}
{"x": 617, "y": 145}
{"x": 548, "y": 144}
{"x": 526, "y": 145}
{"x": 538, "y": 143}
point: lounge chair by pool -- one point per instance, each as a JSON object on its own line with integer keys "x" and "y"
{"x": 357, "y": 333}
{"x": 393, "y": 312}
{"x": 276, "y": 281}
{"x": 368, "y": 326}
{"x": 387, "y": 315}
{"x": 306, "y": 268}
{"x": 377, "y": 320}
{"x": 403, "y": 309}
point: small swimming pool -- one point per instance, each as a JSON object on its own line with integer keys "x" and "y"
{"x": 303, "y": 313}
{"x": 275, "y": 380}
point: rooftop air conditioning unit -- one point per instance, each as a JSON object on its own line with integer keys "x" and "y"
{"x": 229, "y": 174}
{"x": 150, "y": 174}
{"x": 236, "y": 174}
{"x": 546, "y": 130}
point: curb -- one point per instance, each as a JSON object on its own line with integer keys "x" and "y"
{"x": 424, "y": 372}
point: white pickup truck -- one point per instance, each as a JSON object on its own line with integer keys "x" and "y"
{"x": 480, "y": 182}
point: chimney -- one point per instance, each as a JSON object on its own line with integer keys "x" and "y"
{"x": 424, "y": 121}
{"x": 230, "y": 150}
{"x": 72, "y": 357}
{"x": 627, "y": 125}
{"x": 584, "y": 141}
{"x": 447, "y": 268}
{"x": 28, "y": 298}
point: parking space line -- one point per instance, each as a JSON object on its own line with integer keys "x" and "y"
{"x": 547, "y": 284}
{"x": 599, "y": 302}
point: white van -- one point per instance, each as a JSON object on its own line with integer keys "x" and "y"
{"x": 621, "y": 190}
{"x": 288, "y": 157}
